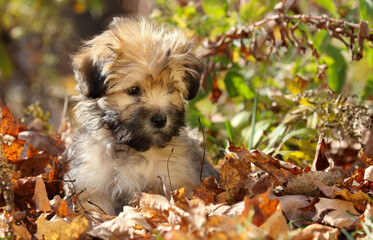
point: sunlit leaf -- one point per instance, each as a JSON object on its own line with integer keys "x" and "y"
{"x": 328, "y": 5}
{"x": 215, "y": 8}
{"x": 368, "y": 90}
{"x": 301, "y": 133}
{"x": 236, "y": 85}
{"x": 366, "y": 9}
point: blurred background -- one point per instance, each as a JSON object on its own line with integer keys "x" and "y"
{"x": 278, "y": 104}
{"x": 37, "y": 39}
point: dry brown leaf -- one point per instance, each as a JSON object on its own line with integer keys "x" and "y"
{"x": 33, "y": 166}
{"x": 359, "y": 199}
{"x": 122, "y": 227}
{"x": 276, "y": 225}
{"x": 40, "y": 196}
{"x": 56, "y": 228}
{"x": 281, "y": 171}
{"x": 233, "y": 175}
{"x": 208, "y": 190}
{"x": 368, "y": 215}
{"x": 321, "y": 160}
{"x": 24, "y": 186}
{"x": 257, "y": 185}
{"x": 367, "y": 161}
{"x": 263, "y": 208}
{"x": 60, "y": 206}
{"x": 147, "y": 201}
{"x": 43, "y": 142}
{"x": 334, "y": 212}
{"x": 368, "y": 174}
{"x": 9, "y": 127}
{"x": 295, "y": 207}
{"x": 180, "y": 199}
{"x": 316, "y": 232}
{"x": 222, "y": 227}
{"x": 21, "y": 232}
{"x": 223, "y": 209}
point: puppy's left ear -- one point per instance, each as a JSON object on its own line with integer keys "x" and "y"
{"x": 193, "y": 73}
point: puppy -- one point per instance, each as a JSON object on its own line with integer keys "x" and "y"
{"x": 134, "y": 81}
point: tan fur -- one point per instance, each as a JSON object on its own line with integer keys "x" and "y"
{"x": 124, "y": 136}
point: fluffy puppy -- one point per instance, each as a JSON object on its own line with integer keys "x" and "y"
{"x": 134, "y": 82}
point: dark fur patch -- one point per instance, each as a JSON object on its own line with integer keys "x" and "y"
{"x": 192, "y": 78}
{"x": 95, "y": 82}
{"x": 132, "y": 130}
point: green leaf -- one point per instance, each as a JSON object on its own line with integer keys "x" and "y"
{"x": 275, "y": 136}
{"x": 6, "y": 67}
{"x": 337, "y": 69}
{"x": 328, "y": 5}
{"x": 366, "y": 10}
{"x": 228, "y": 127}
{"x": 236, "y": 85}
{"x": 241, "y": 119}
{"x": 260, "y": 127}
{"x": 215, "y": 8}
{"x": 300, "y": 133}
{"x": 368, "y": 90}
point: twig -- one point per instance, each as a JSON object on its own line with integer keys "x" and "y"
{"x": 337, "y": 28}
{"x": 75, "y": 192}
{"x": 204, "y": 148}
{"x": 97, "y": 206}
{"x": 65, "y": 104}
{"x": 164, "y": 188}
{"x": 168, "y": 169}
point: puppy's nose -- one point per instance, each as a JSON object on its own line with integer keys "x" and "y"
{"x": 158, "y": 120}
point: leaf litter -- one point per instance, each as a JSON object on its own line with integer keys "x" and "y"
{"x": 258, "y": 197}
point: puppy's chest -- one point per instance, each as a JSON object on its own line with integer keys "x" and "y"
{"x": 146, "y": 166}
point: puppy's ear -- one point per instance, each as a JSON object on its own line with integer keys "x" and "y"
{"x": 192, "y": 77}
{"x": 88, "y": 75}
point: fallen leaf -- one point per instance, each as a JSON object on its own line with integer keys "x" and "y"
{"x": 276, "y": 225}
{"x": 321, "y": 160}
{"x": 257, "y": 185}
{"x": 296, "y": 207}
{"x": 56, "y": 228}
{"x": 224, "y": 209}
{"x": 21, "y": 232}
{"x": 40, "y": 196}
{"x": 316, "y": 232}
{"x": 335, "y": 213}
{"x": 208, "y": 190}
{"x": 12, "y": 150}
{"x": 60, "y": 206}
{"x": 51, "y": 145}
{"x": 34, "y": 166}
{"x": 180, "y": 199}
{"x": 233, "y": 175}
{"x": 262, "y": 206}
{"x": 368, "y": 174}
{"x": 122, "y": 227}
{"x": 359, "y": 199}
{"x": 281, "y": 171}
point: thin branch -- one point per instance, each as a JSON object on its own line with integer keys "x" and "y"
{"x": 204, "y": 149}
{"x": 168, "y": 169}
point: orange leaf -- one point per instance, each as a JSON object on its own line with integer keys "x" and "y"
{"x": 9, "y": 127}
{"x": 62, "y": 210}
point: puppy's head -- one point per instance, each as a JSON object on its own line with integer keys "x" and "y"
{"x": 140, "y": 76}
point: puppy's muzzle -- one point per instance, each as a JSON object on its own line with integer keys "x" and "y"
{"x": 158, "y": 120}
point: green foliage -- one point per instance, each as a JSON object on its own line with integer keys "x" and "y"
{"x": 36, "y": 113}
{"x": 293, "y": 106}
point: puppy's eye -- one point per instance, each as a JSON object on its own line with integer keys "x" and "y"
{"x": 133, "y": 91}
